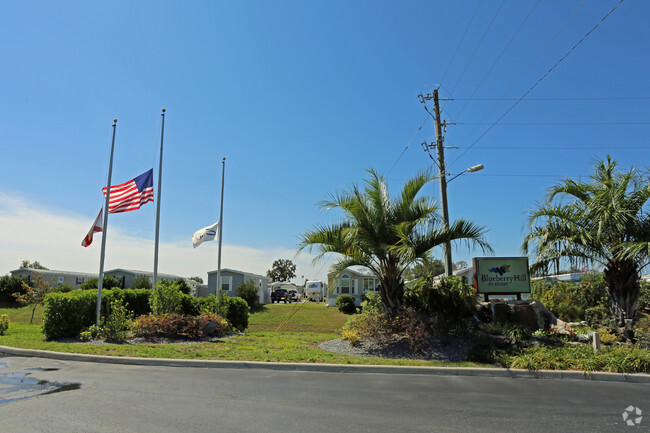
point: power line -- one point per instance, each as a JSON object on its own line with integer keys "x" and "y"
{"x": 478, "y": 46}
{"x": 523, "y": 73}
{"x": 554, "y": 123}
{"x": 561, "y": 148}
{"x": 499, "y": 57}
{"x": 461, "y": 41}
{"x": 407, "y": 146}
{"x": 556, "y": 99}
{"x": 541, "y": 79}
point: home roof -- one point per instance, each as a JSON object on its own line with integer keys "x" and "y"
{"x": 55, "y": 272}
{"x": 147, "y": 273}
{"x": 238, "y": 272}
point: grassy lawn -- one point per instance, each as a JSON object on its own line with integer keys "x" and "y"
{"x": 297, "y": 340}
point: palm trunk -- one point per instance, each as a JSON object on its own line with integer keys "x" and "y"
{"x": 622, "y": 278}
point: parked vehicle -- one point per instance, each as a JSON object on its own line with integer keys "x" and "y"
{"x": 281, "y": 295}
{"x": 315, "y": 290}
{"x": 295, "y": 296}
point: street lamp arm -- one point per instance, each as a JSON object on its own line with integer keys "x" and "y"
{"x": 472, "y": 169}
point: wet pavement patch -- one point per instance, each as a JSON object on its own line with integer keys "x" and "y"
{"x": 21, "y": 385}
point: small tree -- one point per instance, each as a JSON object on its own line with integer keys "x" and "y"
{"x": 197, "y": 279}
{"x": 142, "y": 282}
{"x": 282, "y": 270}
{"x": 248, "y": 292}
{"x": 34, "y": 294}
{"x": 109, "y": 283}
{"x": 10, "y": 285}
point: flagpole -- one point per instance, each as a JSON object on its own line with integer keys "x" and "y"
{"x": 223, "y": 171}
{"x": 155, "y": 252}
{"x": 100, "y": 282}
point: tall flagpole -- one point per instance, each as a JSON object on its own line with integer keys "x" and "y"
{"x": 223, "y": 171}
{"x": 155, "y": 251}
{"x": 100, "y": 282}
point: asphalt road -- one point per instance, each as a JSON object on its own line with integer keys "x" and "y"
{"x": 123, "y": 398}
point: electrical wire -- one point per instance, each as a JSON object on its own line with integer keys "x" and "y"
{"x": 635, "y": 98}
{"x": 555, "y": 123}
{"x": 561, "y": 148}
{"x": 540, "y": 79}
{"x": 523, "y": 73}
{"x": 407, "y": 146}
{"x": 478, "y": 46}
{"x": 461, "y": 41}
{"x": 499, "y": 57}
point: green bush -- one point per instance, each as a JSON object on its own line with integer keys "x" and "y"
{"x": 570, "y": 301}
{"x": 8, "y": 286}
{"x": 67, "y": 314}
{"x": 63, "y": 288}
{"x": 4, "y": 323}
{"x": 644, "y": 295}
{"x": 166, "y": 298}
{"x": 345, "y": 304}
{"x": 141, "y": 282}
{"x": 115, "y": 326}
{"x": 182, "y": 285}
{"x": 371, "y": 303}
{"x": 236, "y": 313}
{"x": 450, "y": 298}
{"x": 248, "y": 292}
{"x": 109, "y": 283}
{"x": 176, "y": 325}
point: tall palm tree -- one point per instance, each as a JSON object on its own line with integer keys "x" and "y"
{"x": 604, "y": 222}
{"x": 386, "y": 236}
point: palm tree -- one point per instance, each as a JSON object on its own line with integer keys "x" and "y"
{"x": 386, "y": 236}
{"x": 605, "y": 222}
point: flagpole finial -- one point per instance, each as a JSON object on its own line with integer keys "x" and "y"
{"x": 224, "y": 158}
{"x": 114, "y": 120}
{"x": 164, "y": 110}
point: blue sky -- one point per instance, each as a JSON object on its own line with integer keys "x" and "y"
{"x": 300, "y": 97}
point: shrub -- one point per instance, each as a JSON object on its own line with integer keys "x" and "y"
{"x": 10, "y": 285}
{"x": 141, "y": 282}
{"x": 109, "y": 283}
{"x": 63, "y": 288}
{"x": 67, "y": 314}
{"x": 345, "y": 304}
{"x": 607, "y": 336}
{"x": 371, "y": 303}
{"x": 166, "y": 298}
{"x": 410, "y": 324}
{"x": 182, "y": 285}
{"x": 176, "y": 325}
{"x": 595, "y": 315}
{"x": 236, "y": 312}
{"x": 448, "y": 299}
{"x": 570, "y": 301}
{"x": 4, "y": 323}
{"x": 644, "y": 295}
{"x": 351, "y": 335}
{"x": 248, "y": 292}
{"x": 115, "y": 326}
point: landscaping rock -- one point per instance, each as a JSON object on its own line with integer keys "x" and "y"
{"x": 212, "y": 329}
{"x": 528, "y": 313}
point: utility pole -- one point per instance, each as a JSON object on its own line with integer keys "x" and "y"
{"x": 441, "y": 171}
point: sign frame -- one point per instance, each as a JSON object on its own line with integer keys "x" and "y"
{"x": 501, "y": 283}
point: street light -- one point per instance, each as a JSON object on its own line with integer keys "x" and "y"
{"x": 445, "y": 215}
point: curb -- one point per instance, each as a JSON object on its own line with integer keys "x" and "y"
{"x": 334, "y": 368}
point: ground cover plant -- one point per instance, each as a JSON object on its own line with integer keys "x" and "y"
{"x": 298, "y": 341}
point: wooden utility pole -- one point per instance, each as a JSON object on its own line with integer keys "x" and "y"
{"x": 440, "y": 139}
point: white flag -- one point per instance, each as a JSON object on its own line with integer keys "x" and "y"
{"x": 205, "y": 234}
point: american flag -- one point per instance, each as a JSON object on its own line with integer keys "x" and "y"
{"x": 132, "y": 194}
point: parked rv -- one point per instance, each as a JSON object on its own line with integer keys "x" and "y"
{"x": 315, "y": 290}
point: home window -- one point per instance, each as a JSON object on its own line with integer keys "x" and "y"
{"x": 345, "y": 284}
{"x": 226, "y": 283}
{"x": 369, "y": 285}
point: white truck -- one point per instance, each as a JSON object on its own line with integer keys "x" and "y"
{"x": 315, "y": 290}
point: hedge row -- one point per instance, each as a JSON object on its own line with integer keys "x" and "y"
{"x": 67, "y": 314}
